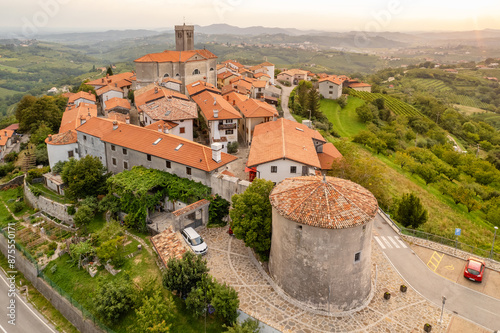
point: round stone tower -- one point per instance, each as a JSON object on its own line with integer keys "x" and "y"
{"x": 321, "y": 243}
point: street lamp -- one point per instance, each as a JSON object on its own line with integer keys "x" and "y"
{"x": 493, "y": 244}
{"x": 442, "y": 310}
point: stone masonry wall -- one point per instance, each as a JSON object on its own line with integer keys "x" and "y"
{"x": 227, "y": 186}
{"x": 53, "y": 208}
{"x": 15, "y": 181}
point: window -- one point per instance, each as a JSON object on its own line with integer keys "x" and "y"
{"x": 177, "y": 75}
{"x": 124, "y": 151}
{"x": 274, "y": 169}
{"x": 70, "y": 153}
{"x": 330, "y": 92}
{"x": 188, "y": 170}
{"x": 293, "y": 169}
{"x": 229, "y": 121}
{"x": 166, "y": 75}
{"x": 331, "y": 87}
{"x": 357, "y": 257}
{"x": 228, "y": 132}
{"x": 113, "y": 160}
{"x": 196, "y": 71}
{"x": 149, "y": 157}
{"x": 125, "y": 165}
{"x": 113, "y": 148}
{"x": 211, "y": 69}
{"x": 84, "y": 138}
{"x": 168, "y": 164}
{"x": 299, "y": 227}
{"x": 182, "y": 130}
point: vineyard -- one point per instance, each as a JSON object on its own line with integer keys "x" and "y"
{"x": 431, "y": 85}
{"x": 468, "y": 101}
{"x": 393, "y": 104}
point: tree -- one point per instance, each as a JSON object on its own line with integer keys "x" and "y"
{"x": 113, "y": 299}
{"x": 225, "y": 301}
{"x": 364, "y": 113}
{"x": 427, "y": 172}
{"x": 251, "y": 217}
{"x": 83, "y": 216}
{"x": 410, "y": 211}
{"x": 313, "y": 102}
{"x": 155, "y": 314}
{"x": 112, "y": 250}
{"x": 39, "y": 136}
{"x": 402, "y": 159}
{"x": 218, "y": 210}
{"x": 80, "y": 251}
{"x": 46, "y": 109}
{"x": 248, "y": 326}
{"x": 41, "y": 154}
{"x": 84, "y": 177}
{"x": 109, "y": 71}
{"x": 182, "y": 275}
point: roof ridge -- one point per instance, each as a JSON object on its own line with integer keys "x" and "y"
{"x": 205, "y": 155}
{"x": 283, "y": 138}
{"x": 347, "y": 199}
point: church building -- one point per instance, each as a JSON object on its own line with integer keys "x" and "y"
{"x": 184, "y": 64}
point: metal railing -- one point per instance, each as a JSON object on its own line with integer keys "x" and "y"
{"x": 446, "y": 241}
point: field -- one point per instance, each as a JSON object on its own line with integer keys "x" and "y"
{"x": 6, "y": 92}
{"x": 345, "y": 121}
{"x": 395, "y": 105}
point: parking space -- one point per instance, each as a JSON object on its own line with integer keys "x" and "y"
{"x": 452, "y": 269}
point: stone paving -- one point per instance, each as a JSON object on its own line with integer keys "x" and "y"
{"x": 231, "y": 262}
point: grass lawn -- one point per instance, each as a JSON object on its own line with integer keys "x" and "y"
{"x": 51, "y": 194}
{"x": 9, "y": 197}
{"x": 345, "y": 121}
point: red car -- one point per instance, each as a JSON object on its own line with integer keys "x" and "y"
{"x": 474, "y": 269}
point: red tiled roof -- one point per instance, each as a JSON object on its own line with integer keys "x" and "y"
{"x": 253, "y": 108}
{"x": 81, "y": 94}
{"x": 12, "y": 127}
{"x": 235, "y": 98}
{"x": 332, "y": 78}
{"x": 72, "y": 117}
{"x": 122, "y": 80}
{"x": 117, "y": 102}
{"x": 208, "y": 102}
{"x": 105, "y": 89}
{"x": 329, "y": 154}
{"x": 62, "y": 138}
{"x": 191, "y": 207}
{"x": 234, "y": 62}
{"x": 3, "y": 137}
{"x": 153, "y": 92}
{"x": 199, "y": 86}
{"x": 266, "y": 63}
{"x": 328, "y": 202}
{"x": 169, "y": 244}
{"x": 284, "y": 139}
{"x": 97, "y": 127}
{"x": 170, "y": 109}
{"x": 142, "y": 139}
{"x": 359, "y": 85}
{"x": 162, "y": 124}
{"x": 118, "y": 116}
{"x": 177, "y": 56}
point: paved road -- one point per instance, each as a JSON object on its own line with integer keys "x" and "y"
{"x": 285, "y": 94}
{"x": 27, "y": 318}
{"x": 472, "y": 305}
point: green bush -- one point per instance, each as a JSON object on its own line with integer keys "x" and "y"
{"x": 50, "y": 253}
{"x": 232, "y": 147}
{"x": 71, "y": 209}
{"x": 18, "y": 206}
{"x": 36, "y": 191}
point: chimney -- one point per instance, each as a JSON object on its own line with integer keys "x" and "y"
{"x": 215, "y": 101}
{"x": 216, "y": 151}
{"x": 159, "y": 128}
{"x": 82, "y": 120}
{"x": 216, "y": 113}
{"x": 127, "y": 120}
{"x": 115, "y": 125}
{"x": 165, "y": 129}
{"x": 156, "y": 90}
{"x": 102, "y": 80}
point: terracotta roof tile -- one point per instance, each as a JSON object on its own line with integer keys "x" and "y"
{"x": 281, "y": 139}
{"x": 105, "y": 89}
{"x": 12, "y": 127}
{"x": 142, "y": 139}
{"x": 235, "y": 98}
{"x": 4, "y": 138}
{"x": 118, "y": 116}
{"x": 170, "y": 109}
{"x": 329, "y": 154}
{"x": 162, "y": 124}
{"x": 81, "y": 94}
{"x": 332, "y": 203}
{"x": 117, "y": 102}
{"x": 358, "y": 85}
{"x": 267, "y": 63}
{"x": 191, "y": 207}
{"x": 122, "y": 79}
{"x": 169, "y": 244}
{"x": 97, "y": 127}
{"x": 177, "y": 56}
{"x": 208, "y": 102}
{"x": 72, "y": 117}
{"x": 62, "y": 138}
{"x": 199, "y": 86}
{"x": 253, "y": 108}
{"x": 153, "y": 92}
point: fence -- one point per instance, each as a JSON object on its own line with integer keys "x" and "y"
{"x": 21, "y": 248}
{"x": 446, "y": 241}
{"x": 86, "y": 314}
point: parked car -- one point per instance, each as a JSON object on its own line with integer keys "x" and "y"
{"x": 474, "y": 269}
{"x": 194, "y": 240}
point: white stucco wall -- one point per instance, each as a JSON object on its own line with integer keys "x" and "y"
{"x": 60, "y": 153}
{"x": 83, "y": 100}
{"x": 330, "y": 90}
{"x": 109, "y": 95}
{"x": 91, "y": 145}
{"x": 186, "y": 124}
{"x": 214, "y": 126}
{"x": 283, "y": 171}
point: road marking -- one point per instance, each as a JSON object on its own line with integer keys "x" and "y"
{"x": 401, "y": 242}
{"x": 493, "y": 313}
{"x": 434, "y": 261}
{"x": 386, "y": 242}
{"x": 3, "y": 329}
{"x": 26, "y": 305}
{"x": 449, "y": 267}
{"x": 393, "y": 242}
{"x": 380, "y": 243}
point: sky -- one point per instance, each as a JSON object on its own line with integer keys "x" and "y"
{"x": 332, "y": 15}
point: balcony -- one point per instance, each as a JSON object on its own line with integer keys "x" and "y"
{"x": 227, "y": 126}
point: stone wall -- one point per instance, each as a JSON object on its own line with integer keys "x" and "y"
{"x": 51, "y": 207}
{"x": 70, "y": 312}
{"x": 15, "y": 181}
{"x": 227, "y": 186}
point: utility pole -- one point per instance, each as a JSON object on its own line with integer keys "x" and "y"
{"x": 442, "y": 310}
{"x": 493, "y": 244}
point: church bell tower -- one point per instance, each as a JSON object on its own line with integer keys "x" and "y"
{"x": 184, "y": 37}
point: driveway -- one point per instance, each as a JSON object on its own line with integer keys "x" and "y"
{"x": 461, "y": 300}
{"x": 285, "y": 94}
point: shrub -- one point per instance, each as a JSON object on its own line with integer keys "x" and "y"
{"x": 18, "y": 206}
{"x": 410, "y": 212}
{"x": 232, "y": 147}
{"x": 71, "y": 209}
{"x": 10, "y": 157}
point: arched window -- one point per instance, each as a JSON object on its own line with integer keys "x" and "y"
{"x": 196, "y": 71}
{"x": 211, "y": 69}
{"x": 177, "y": 75}
{"x": 166, "y": 75}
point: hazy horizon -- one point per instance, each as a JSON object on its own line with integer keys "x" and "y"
{"x": 52, "y": 16}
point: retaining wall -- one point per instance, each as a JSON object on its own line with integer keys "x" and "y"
{"x": 15, "y": 181}
{"x": 51, "y": 207}
{"x": 70, "y": 312}
{"x": 227, "y": 186}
